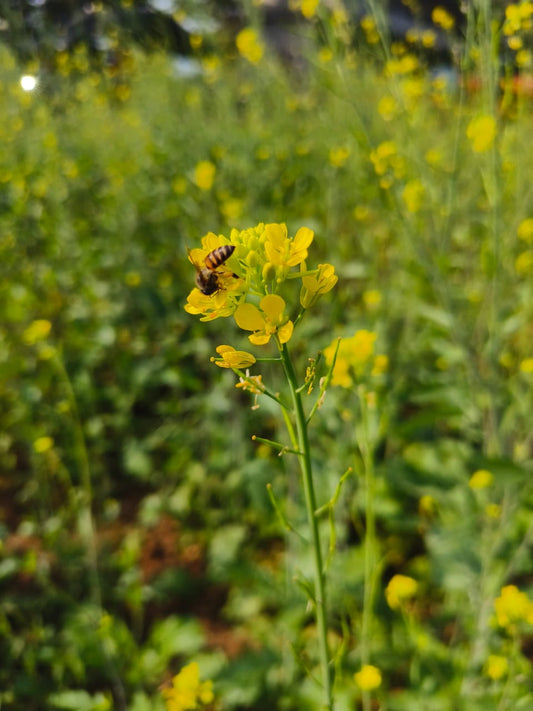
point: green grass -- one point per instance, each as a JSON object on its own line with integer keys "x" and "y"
{"x": 141, "y": 537}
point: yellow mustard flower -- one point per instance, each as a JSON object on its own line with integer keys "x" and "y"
{"x": 524, "y": 262}
{"x": 526, "y": 365}
{"x": 339, "y": 156}
{"x": 388, "y": 108}
{"x": 513, "y": 606}
{"x": 353, "y": 355}
{"x": 204, "y": 175}
{"x": 525, "y": 230}
{"x": 442, "y": 18}
{"x": 400, "y": 589}
{"x": 309, "y": 8}
{"x": 316, "y": 284}
{"x": 481, "y": 131}
{"x": 496, "y": 667}
{"x": 372, "y": 298}
{"x": 38, "y": 330}
{"x": 230, "y": 358}
{"x": 481, "y": 479}
{"x": 188, "y": 692}
{"x": 249, "y": 45}
{"x": 267, "y": 320}
{"x": 413, "y": 195}
{"x": 368, "y": 678}
{"x": 284, "y": 252}
{"x": 381, "y": 365}
{"x": 254, "y": 263}
{"x": 368, "y": 25}
{"x": 43, "y": 444}
{"x": 493, "y": 511}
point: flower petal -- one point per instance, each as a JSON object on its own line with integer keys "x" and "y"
{"x": 249, "y": 318}
{"x": 285, "y": 332}
{"x": 260, "y": 338}
{"x": 273, "y": 307}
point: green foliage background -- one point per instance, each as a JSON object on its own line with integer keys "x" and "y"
{"x": 144, "y": 537}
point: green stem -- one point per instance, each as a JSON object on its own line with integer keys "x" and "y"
{"x": 366, "y": 449}
{"x": 310, "y": 503}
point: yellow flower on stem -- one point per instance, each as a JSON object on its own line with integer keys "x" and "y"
{"x": 217, "y": 305}
{"x": 400, "y": 589}
{"x": 353, "y": 355}
{"x": 368, "y": 678}
{"x": 265, "y": 321}
{"x": 481, "y": 131}
{"x": 187, "y": 691}
{"x": 513, "y": 606}
{"x": 38, "y": 330}
{"x": 204, "y": 175}
{"x": 231, "y": 358}
{"x": 316, "y": 284}
{"x": 284, "y": 252}
{"x": 249, "y": 45}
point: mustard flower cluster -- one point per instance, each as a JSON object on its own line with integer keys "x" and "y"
{"x": 400, "y": 590}
{"x": 262, "y": 261}
{"x": 187, "y": 691}
{"x": 355, "y": 357}
{"x": 517, "y": 28}
{"x": 512, "y": 608}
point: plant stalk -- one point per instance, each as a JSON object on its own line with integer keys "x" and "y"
{"x": 310, "y": 503}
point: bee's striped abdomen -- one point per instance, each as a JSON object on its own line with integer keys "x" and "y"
{"x": 219, "y": 255}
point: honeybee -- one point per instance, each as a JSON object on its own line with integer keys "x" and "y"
{"x": 207, "y": 277}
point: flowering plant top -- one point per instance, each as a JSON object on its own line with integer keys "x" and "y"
{"x": 241, "y": 276}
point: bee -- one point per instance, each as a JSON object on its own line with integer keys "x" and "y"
{"x": 207, "y": 277}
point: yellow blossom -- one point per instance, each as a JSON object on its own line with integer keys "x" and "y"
{"x": 523, "y": 58}
{"x": 481, "y": 131}
{"x": 525, "y": 230}
{"x": 400, "y": 589}
{"x": 265, "y": 321}
{"x": 308, "y": 8}
{"x": 250, "y": 45}
{"x": 372, "y": 298}
{"x": 315, "y": 285}
{"x": 513, "y": 606}
{"x": 381, "y": 365}
{"x": 496, "y": 667}
{"x": 338, "y": 156}
{"x": 515, "y": 43}
{"x": 352, "y": 357}
{"x": 526, "y": 366}
{"x": 368, "y": 25}
{"x": 204, "y": 175}
{"x": 38, "y": 330}
{"x": 187, "y": 691}
{"x": 43, "y": 444}
{"x": 132, "y": 279}
{"x": 407, "y": 64}
{"x": 413, "y": 195}
{"x": 427, "y": 505}
{"x": 442, "y": 18}
{"x": 387, "y": 108}
{"x": 493, "y": 511}
{"x": 325, "y": 55}
{"x": 524, "y": 262}
{"x": 368, "y": 678}
{"x": 284, "y": 252}
{"x": 481, "y": 479}
{"x": 231, "y": 358}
